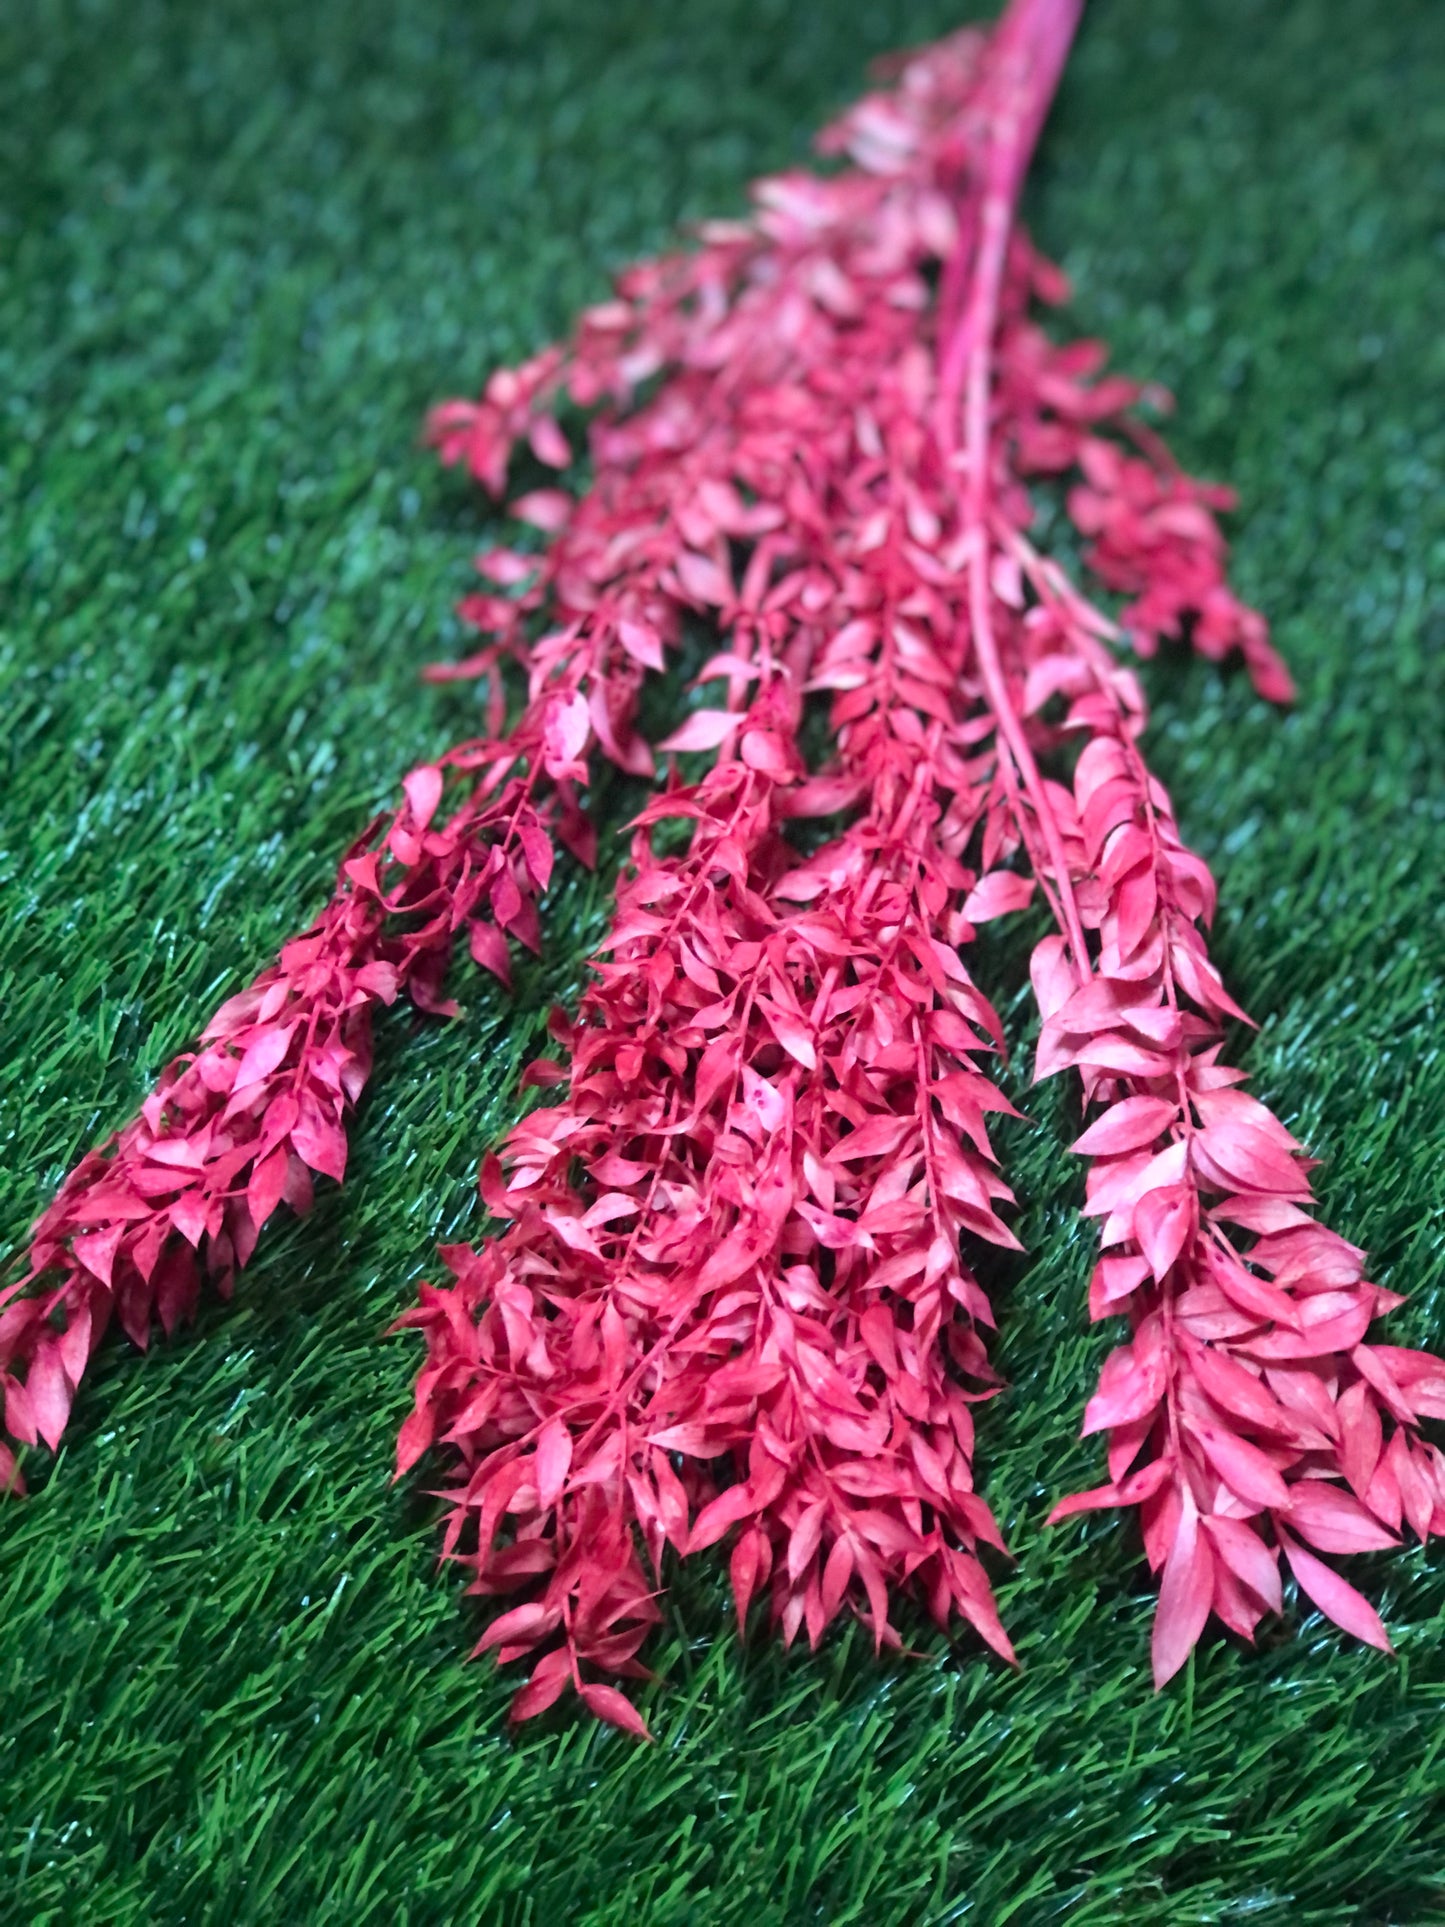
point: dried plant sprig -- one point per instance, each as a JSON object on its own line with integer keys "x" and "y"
{"x": 240, "y": 1125}
{"x": 1247, "y": 1413}
{"x": 771, "y": 1144}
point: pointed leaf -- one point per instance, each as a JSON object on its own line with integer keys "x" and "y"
{"x": 1184, "y": 1595}
{"x": 614, "y": 1707}
{"x": 1336, "y": 1597}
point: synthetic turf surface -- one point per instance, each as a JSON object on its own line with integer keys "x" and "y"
{"x": 242, "y": 246}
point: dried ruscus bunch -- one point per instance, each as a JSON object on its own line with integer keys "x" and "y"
{"x": 735, "y": 1292}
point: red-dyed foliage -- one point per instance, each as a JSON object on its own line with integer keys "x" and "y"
{"x": 1246, "y": 1412}
{"x": 733, "y": 1293}
{"x": 736, "y": 1241}
{"x": 236, "y": 1128}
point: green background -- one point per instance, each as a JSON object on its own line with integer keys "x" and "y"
{"x": 242, "y": 247}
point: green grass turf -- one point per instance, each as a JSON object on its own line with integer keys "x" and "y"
{"x": 242, "y": 246}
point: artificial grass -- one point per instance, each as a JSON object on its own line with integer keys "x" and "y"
{"x": 241, "y": 248}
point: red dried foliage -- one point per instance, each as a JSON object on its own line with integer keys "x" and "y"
{"x": 732, "y": 1295}
{"x": 735, "y": 1242}
{"x": 1246, "y": 1413}
{"x": 238, "y": 1127}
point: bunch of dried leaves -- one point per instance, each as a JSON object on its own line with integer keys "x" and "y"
{"x": 734, "y": 1295}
